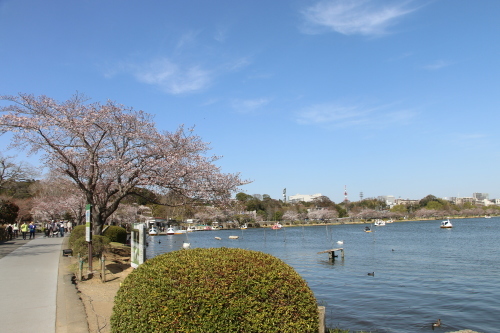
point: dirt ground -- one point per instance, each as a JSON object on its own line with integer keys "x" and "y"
{"x": 97, "y": 296}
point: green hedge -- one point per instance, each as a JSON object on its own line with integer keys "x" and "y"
{"x": 99, "y": 245}
{"x": 116, "y": 234}
{"x": 76, "y": 233}
{"x": 214, "y": 290}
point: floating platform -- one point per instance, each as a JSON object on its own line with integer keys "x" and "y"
{"x": 331, "y": 253}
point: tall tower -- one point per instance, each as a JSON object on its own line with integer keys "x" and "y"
{"x": 345, "y": 194}
{"x": 284, "y": 195}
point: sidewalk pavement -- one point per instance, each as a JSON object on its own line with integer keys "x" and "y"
{"x": 36, "y": 291}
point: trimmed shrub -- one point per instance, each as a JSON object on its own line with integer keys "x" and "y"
{"x": 116, "y": 234}
{"x": 99, "y": 245}
{"x": 76, "y": 233}
{"x": 214, "y": 290}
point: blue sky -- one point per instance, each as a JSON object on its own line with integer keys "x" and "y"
{"x": 387, "y": 97}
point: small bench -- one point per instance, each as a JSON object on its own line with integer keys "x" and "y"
{"x": 67, "y": 252}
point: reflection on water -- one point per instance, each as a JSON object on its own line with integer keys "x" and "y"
{"x": 421, "y": 272}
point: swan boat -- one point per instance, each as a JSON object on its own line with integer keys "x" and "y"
{"x": 153, "y": 231}
{"x": 446, "y": 224}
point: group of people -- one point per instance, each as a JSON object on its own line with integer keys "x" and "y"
{"x": 52, "y": 229}
{"x": 57, "y": 229}
{"x": 13, "y": 230}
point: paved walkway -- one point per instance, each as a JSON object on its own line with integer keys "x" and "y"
{"x": 29, "y": 283}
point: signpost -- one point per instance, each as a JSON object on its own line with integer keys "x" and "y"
{"x": 138, "y": 245}
{"x": 88, "y": 232}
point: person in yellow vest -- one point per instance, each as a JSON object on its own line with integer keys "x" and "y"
{"x": 24, "y": 229}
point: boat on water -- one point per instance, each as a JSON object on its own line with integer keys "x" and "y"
{"x": 367, "y": 229}
{"x": 244, "y": 226}
{"x": 487, "y": 217}
{"x": 191, "y": 228}
{"x": 379, "y": 223}
{"x": 276, "y": 226}
{"x": 153, "y": 231}
{"x": 446, "y": 224}
{"x": 170, "y": 231}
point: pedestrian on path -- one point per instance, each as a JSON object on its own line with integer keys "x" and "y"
{"x": 48, "y": 227}
{"x": 16, "y": 231}
{"x": 61, "y": 228}
{"x": 32, "y": 228}
{"x": 10, "y": 232}
{"x": 24, "y": 229}
{"x": 54, "y": 229}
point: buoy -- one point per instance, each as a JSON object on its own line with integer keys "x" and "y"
{"x": 340, "y": 242}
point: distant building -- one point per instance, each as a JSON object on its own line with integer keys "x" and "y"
{"x": 461, "y": 201}
{"x": 481, "y": 196}
{"x": 389, "y": 200}
{"x": 304, "y": 197}
{"x": 406, "y": 202}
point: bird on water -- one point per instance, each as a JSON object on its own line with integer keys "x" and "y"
{"x": 371, "y": 274}
{"x": 436, "y": 324}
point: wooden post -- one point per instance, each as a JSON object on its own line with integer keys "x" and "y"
{"x": 80, "y": 268}
{"x": 103, "y": 269}
{"x": 321, "y": 314}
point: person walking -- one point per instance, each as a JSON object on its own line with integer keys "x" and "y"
{"x": 16, "y": 231}
{"x": 54, "y": 228}
{"x": 10, "y": 232}
{"x": 24, "y": 229}
{"x": 32, "y": 228}
{"x": 48, "y": 228}
{"x": 61, "y": 228}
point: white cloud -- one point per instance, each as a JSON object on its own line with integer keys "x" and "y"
{"x": 437, "y": 65}
{"x": 349, "y": 17}
{"x": 247, "y": 105}
{"x": 170, "y": 77}
{"x": 331, "y": 114}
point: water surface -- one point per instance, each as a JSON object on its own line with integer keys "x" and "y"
{"x": 421, "y": 272}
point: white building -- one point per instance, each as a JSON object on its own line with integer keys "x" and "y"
{"x": 303, "y": 197}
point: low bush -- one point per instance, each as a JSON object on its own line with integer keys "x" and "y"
{"x": 214, "y": 290}
{"x": 116, "y": 234}
{"x": 76, "y": 233}
{"x": 99, "y": 245}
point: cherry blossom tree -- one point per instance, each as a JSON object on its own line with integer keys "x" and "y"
{"x": 55, "y": 197}
{"x": 11, "y": 171}
{"x": 110, "y": 151}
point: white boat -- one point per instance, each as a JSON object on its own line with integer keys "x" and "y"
{"x": 191, "y": 228}
{"x": 446, "y": 224}
{"x": 487, "y": 217}
{"x": 153, "y": 231}
{"x": 276, "y": 226}
{"x": 379, "y": 223}
{"x": 170, "y": 231}
{"x": 244, "y": 226}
